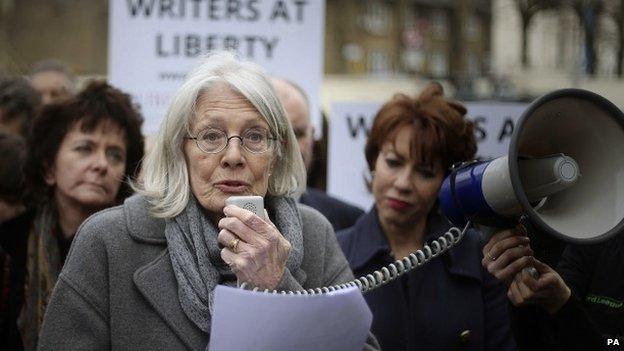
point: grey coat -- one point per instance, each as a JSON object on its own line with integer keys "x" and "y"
{"x": 118, "y": 291}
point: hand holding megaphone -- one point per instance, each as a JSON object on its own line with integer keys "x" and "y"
{"x": 563, "y": 172}
{"x": 507, "y": 253}
{"x": 548, "y": 291}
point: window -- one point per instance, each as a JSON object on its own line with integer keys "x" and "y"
{"x": 439, "y": 25}
{"x": 378, "y": 62}
{"x": 439, "y": 65}
{"x": 375, "y": 17}
{"x": 472, "y": 28}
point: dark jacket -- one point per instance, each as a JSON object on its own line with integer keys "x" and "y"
{"x": 340, "y": 214}
{"x": 451, "y": 303}
{"x": 595, "y": 273}
{"x": 595, "y": 311}
{"x": 14, "y": 243}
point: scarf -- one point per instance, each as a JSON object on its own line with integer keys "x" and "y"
{"x": 196, "y": 255}
{"x": 43, "y": 265}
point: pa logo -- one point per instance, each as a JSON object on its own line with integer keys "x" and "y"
{"x": 613, "y": 342}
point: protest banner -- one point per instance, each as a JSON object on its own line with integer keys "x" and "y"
{"x": 350, "y": 124}
{"x": 154, "y": 43}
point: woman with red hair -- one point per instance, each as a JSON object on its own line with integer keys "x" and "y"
{"x": 450, "y": 303}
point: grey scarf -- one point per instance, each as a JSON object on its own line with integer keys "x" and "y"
{"x": 196, "y": 258}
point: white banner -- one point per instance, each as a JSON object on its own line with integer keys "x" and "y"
{"x": 154, "y": 43}
{"x": 350, "y": 123}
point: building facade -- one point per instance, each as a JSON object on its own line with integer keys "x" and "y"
{"x": 434, "y": 39}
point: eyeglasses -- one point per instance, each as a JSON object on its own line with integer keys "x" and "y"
{"x": 213, "y": 141}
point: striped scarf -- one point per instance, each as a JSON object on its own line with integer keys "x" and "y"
{"x": 44, "y": 265}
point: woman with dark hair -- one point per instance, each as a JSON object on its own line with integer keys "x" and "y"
{"x": 81, "y": 153}
{"x": 450, "y": 303}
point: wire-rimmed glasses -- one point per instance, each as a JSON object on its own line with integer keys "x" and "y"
{"x": 213, "y": 140}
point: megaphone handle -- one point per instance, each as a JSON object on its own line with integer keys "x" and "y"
{"x": 487, "y": 232}
{"x": 522, "y": 224}
{"x": 530, "y": 270}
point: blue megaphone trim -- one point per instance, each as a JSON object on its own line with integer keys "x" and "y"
{"x": 461, "y": 197}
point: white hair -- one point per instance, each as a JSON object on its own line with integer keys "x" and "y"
{"x": 166, "y": 179}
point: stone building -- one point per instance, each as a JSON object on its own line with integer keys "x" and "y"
{"x": 436, "y": 39}
{"x": 73, "y": 31}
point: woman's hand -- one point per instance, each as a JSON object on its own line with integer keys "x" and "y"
{"x": 254, "y": 249}
{"x": 549, "y": 291}
{"x": 506, "y": 254}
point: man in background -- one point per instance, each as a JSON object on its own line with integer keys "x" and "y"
{"x": 12, "y": 179}
{"x": 340, "y": 214}
{"x": 52, "y": 80}
{"x": 18, "y": 105}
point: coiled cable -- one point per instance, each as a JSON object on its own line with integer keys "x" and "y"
{"x": 389, "y": 273}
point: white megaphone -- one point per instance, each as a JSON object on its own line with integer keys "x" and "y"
{"x": 564, "y": 171}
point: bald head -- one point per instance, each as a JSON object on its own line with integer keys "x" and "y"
{"x": 298, "y": 112}
{"x": 52, "y": 80}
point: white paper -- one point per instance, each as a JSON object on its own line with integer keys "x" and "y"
{"x": 246, "y": 320}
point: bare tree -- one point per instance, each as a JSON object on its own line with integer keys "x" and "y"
{"x": 588, "y": 13}
{"x": 528, "y": 9}
{"x": 617, "y": 14}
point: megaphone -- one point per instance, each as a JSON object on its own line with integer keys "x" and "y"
{"x": 564, "y": 171}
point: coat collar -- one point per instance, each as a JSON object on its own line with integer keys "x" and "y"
{"x": 143, "y": 226}
{"x": 156, "y": 280}
{"x": 370, "y": 241}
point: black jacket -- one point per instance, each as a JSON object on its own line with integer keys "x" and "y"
{"x": 13, "y": 243}
{"x": 595, "y": 311}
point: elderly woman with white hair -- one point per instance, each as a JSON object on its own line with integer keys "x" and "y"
{"x": 141, "y": 276}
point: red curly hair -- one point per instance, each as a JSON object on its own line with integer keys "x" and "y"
{"x": 440, "y": 130}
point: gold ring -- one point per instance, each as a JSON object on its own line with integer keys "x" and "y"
{"x": 490, "y": 256}
{"x": 234, "y": 244}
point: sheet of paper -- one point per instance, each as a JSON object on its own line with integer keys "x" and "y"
{"x": 244, "y": 320}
